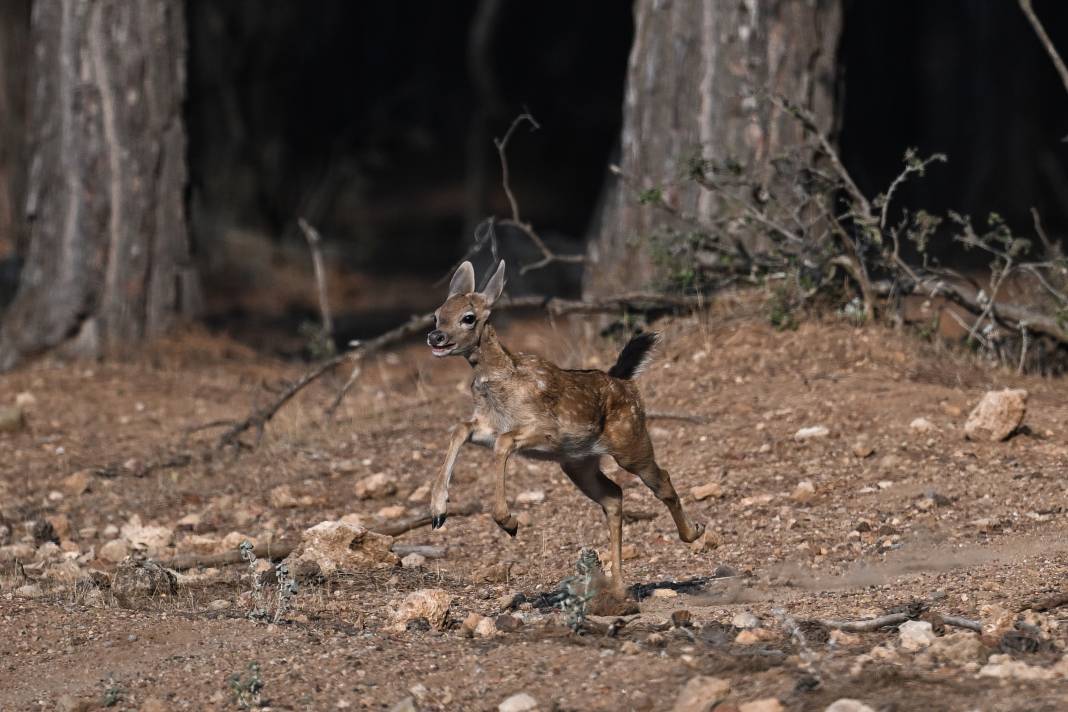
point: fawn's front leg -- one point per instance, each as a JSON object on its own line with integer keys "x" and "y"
{"x": 439, "y": 493}
{"x": 502, "y": 450}
{"x": 507, "y": 443}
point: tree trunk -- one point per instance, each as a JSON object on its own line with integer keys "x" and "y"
{"x": 693, "y": 69}
{"x": 14, "y": 54}
{"x": 108, "y": 262}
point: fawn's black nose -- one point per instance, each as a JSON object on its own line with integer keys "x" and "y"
{"x": 436, "y": 337}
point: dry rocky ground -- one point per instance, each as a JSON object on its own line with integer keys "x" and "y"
{"x": 880, "y": 506}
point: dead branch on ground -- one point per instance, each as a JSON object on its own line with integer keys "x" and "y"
{"x": 893, "y": 619}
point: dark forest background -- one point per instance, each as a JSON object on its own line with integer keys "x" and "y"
{"x": 375, "y": 122}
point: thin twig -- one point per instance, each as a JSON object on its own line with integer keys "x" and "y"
{"x": 315, "y": 245}
{"x": 687, "y": 417}
{"x": 548, "y": 256}
{"x": 1054, "y": 55}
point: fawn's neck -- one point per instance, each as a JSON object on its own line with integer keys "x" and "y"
{"x": 489, "y": 355}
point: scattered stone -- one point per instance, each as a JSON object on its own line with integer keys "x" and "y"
{"x": 467, "y": 628}
{"x": 189, "y": 522}
{"x": 486, "y": 628}
{"x": 77, "y": 483}
{"x": 530, "y": 497}
{"x": 70, "y": 703}
{"x": 804, "y": 492}
{"x": 405, "y": 705}
{"x": 376, "y": 486}
{"x": 281, "y": 497}
{"x": 997, "y": 415}
{"x": 712, "y": 489}
{"x": 996, "y": 621}
{"x": 863, "y": 449}
{"x": 431, "y": 604}
{"x": 521, "y": 702}
{"x": 393, "y": 511}
{"x": 1003, "y": 666}
{"x": 219, "y": 604}
{"x": 767, "y": 704}
{"x": 29, "y": 590}
{"x": 701, "y": 694}
{"x": 915, "y": 635}
{"x": 413, "y": 561}
{"x": 811, "y": 433}
{"x": 747, "y": 637}
{"x": 12, "y": 419}
{"x": 420, "y": 494}
{"x": 682, "y": 618}
{"x": 337, "y": 546}
{"x": 847, "y": 704}
{"x": 508, "y": 623}
{"x": 354, "y": 520}
{"x": 745, "y": 620}
{"x": 198, "y": 544}
{"x": 25, "y": 399}
{"x": 60, "y": 525}
{"x": 708, "y": 541}
{"x": 664, "y": 593}
{"x": 629, "y": 647}
{"x": 922, "y": 425}
{"x": 150, "y": 539}
{"x": 142, "y": 579}
{"x": 959, "y": 648}
{"x": 756, "y": 500}
{"x": 114, "y": 551}
{"x": 843, "y": 639}
{"x": 499, "y": 572}
{"x": 20, "y": 552}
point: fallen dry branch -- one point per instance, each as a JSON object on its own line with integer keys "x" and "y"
{"x": 1047, "y": 603}
{"x": 892, "y": 619}
{"x": 275, "y": 551}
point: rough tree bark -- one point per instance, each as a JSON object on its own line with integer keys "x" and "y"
{"x": 693, "y": 69}
{"x": 14, "y": 53}
{"x": 108, "y": 262}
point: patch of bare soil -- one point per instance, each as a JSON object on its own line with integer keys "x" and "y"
{"x": 881, "y": 512}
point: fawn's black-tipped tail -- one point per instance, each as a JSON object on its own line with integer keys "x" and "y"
{"x": 635, "y": 356}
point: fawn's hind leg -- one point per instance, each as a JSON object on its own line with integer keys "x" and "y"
{"x": 639, "y": 460}
{"x": 587, "y": 476}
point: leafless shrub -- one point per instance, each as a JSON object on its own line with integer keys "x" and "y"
{"x": 805, "y": 228}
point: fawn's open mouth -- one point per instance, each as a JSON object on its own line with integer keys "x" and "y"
{"x": 443, "y": 350}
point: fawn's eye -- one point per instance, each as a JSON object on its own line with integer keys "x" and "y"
{"x": 467, "y": 318}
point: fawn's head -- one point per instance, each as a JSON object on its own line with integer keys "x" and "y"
{"x": 460, "y": 320}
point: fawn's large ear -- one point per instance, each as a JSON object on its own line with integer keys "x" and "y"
{"x": 493, "y": 289}
{"x": 463, "y": 281}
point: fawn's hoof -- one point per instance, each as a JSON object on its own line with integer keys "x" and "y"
{"x": 698, "y": 530}
{"x": 438, "y": 521}
{"x": 509, "y": 524}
